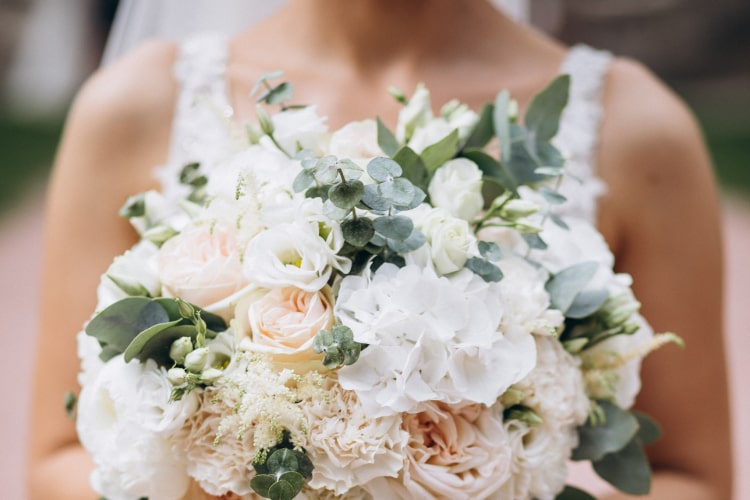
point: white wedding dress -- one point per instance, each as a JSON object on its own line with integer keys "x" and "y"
{"x": 204, "y": 129}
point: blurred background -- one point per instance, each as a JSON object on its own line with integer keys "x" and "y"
{"x": 48, "y": 47}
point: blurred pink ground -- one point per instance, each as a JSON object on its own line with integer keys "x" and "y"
{"x": 20, "y": 254}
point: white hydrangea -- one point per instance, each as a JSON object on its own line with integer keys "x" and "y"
{"x": 430, "y": 338}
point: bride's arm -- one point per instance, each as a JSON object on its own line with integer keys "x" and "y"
{"x": 118, "y": 129}
{"x": 663, "y": 210}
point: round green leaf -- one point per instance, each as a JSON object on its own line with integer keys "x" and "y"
{"x": 627, "y": 470}
{"x": 282, "y": 460}
{"x": 347, "y": 196}
{"x": 261, "y": 483}
{"x": 485, "y": 269}
{"x": 396, "y": 227}
{"x": 358, "y": 232}
{"x": 373, "y": 200}
{"x": 383, "y": 169}
{"x": 398, "y": 191}
{"x": 415, "y": 241}
{"x": 303, "y": 180}
{"x": 296, "y": 479}
{"x": 596, "y": 440}
{"x": 282, "y": 490}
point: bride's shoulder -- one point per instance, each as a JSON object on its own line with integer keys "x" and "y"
{"x": 131, "y": 92}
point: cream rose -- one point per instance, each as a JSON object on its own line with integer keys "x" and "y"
{"x": 457, "y": 187}
{"x": 284, "y": 322}
{"x": 202, "y": 266}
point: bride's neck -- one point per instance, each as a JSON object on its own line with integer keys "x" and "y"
{"x": 374, "y": 33}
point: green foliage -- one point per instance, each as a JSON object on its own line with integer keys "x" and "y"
{"x": 71, "y": 401}
{"x": 358, "y": 232}
{"x": 483, "y": 131}
{"x": 283, "y": 474}
{"x": 386, "y": 140}
{"x": 566, "y": 286}
{"x": 339, "y": 347}
{"x": 347, "y": 195}
{"x": 544, "y": 112}
{"x": 436, "y": 154}
{"x": 614, "y": 445}
{"x": 490, "y": 250}
{"x": 413, "y": 167}
{"x": 492, "y": 169}
{"x": 571, "y": 493}
{"x": 144, "y": 328}
{"x": 485, "y": 269}
{"x": 502, "y": 125}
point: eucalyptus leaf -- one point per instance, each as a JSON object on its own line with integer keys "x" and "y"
{"x": 565, "y": 286}
{"x": 396, "y": 227}
{"x": 436, "y": 154}
{"x": 485, "y": 269}
{"x": 261, "y": 483}
{"x": 278, "y": 94}
{"x": 483, "y": 131}
{"x": 282, "y": 460}
{"x": 545, "y": 109}
{"x": 597, "y": 439}
{"x": 386, "y": 140}
{"x": 383, "y": 169}
{"x": 552, "y": 196}
{"x": 399, "y": 192}
{"x": 415, "y": 241}
{"x": 271, "y": 75}
{"x": 303, "y": 181}
{"x": 490, "y": 250}
{"x": 413, "y": 167}
{"x": 318, "y": 192}
{"x": 587, "y": 303}
{"x": 155, "y": 342}
{"x": 534, "y": 241}
{"x": 351, "y": 170}
{"x": 334, "y": 358}
{"x": 571, "y": 493}
{"x": 502, "y": 125}
{"x": 627, "y": 470}
{"x": 135, "y": 206}
{"x": 294, "y": 478}
{"x": 373, "y": 200}
{"x": 117, "y": 325}
{"x": 558, "y": 221}
{"x": 282, "y": 490}
{"x": 358, "y": 232}
{"x": 346, "y": 196}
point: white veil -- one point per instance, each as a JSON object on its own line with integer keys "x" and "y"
{"x": 138, "y": 20}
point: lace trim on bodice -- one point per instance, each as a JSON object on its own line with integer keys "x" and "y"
{"x": 203, "y": 129}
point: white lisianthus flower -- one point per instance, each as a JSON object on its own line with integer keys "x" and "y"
{"x": 457, "y": 187}
{"x": 202, "y": 266}
{"x": 460, "y": 117}
{"x": 348, "y": 448}
{"x": 414, "y": 115}
{"x": 303, "y": 128}
{"x": 356, "y": 141}
{"x": 136, "y": 269}
{"x": 292, "y": 255}
{"x": 458, "y": 451}
{"x": 451, "y": 240}
{"x": 430, "y": 338}
{"x": 134, "y": 432}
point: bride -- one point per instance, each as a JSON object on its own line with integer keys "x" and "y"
{"x": 659, "y": 211}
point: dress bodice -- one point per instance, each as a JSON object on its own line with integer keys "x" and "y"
{"x": 204, "y": 131}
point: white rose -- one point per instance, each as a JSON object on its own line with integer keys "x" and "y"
{"x": 136, "y": 268}
{"x": 415, "y": 114}
{"x": 202, "y": 266}
{"x": 299, "y": 127}
{"x": 292, "y": 255}
{"x": 457, "y": 187}
{"x": 357, "y": 141}
{"x": 451, "y": 240}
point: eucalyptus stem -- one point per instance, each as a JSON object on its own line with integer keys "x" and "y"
{"x": 279, "y": 146}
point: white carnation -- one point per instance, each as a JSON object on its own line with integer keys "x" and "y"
{"x": 348, "y": 448}
{"x": 430, "y": 338}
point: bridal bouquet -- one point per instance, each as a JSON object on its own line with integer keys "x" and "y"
{"x": 368, "y": 313}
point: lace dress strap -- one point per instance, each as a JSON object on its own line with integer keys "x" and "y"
{"x": 579, "y": 129}
{"x": 202, "y": 124}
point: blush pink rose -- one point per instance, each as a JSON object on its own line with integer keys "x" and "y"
{"x": 202, "y": 265}
{"x": 283, "y": 323}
